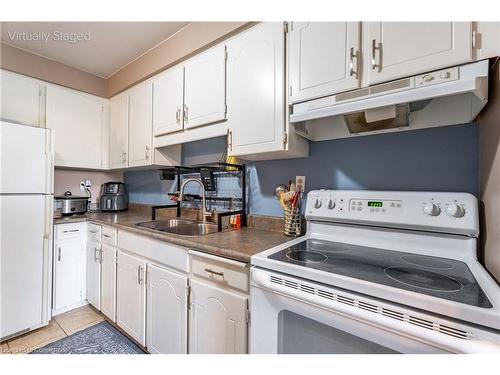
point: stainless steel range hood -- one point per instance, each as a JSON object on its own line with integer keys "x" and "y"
{"x": 445, "y": 97}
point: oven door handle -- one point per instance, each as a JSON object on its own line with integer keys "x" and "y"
{"x": 262, "y": 279}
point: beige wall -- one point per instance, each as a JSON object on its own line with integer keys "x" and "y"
{"x": 23, "y": 62}
{"x": 68, "y": 179}
{"x": 489, "y": 146}
{"x": 193, "y": 38}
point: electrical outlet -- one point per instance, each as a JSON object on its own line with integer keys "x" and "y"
{"x": 82, "y": 185}
{"x": 88, "y": 183}
{"x": 300, "y": 183}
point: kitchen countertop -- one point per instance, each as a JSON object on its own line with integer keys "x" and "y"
{"x": 234, "y": 244}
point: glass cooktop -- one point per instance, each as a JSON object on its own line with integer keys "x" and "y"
{"x": 438, "y": 277}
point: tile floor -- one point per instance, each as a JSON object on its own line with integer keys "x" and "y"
{"x": 60, "y": 326}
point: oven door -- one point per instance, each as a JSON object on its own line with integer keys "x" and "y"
{"x": 291, "y": 315}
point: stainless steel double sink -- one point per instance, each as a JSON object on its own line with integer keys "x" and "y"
{"x": 180, "y": 226}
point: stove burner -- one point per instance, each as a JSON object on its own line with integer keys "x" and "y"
{"x": 427, "y": 262}
{"x": 306, "y": 256}
{"x": 423, "y": 279}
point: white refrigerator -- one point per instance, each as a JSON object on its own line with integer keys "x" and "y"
{"x": 26, "y": 207}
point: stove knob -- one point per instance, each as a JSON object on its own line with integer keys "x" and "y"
{"x": 317, "y": 203}
{"x": 432, "y": 209}
{"x": 331, "y": 204}
{"x": 455, "y": 210}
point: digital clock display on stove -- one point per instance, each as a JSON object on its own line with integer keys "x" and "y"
{"x": 375, "y": 204}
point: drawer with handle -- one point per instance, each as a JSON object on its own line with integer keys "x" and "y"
{"x": 109, "y": 235}
{"x": 219, "y": 270}
{"x": 94, "y": 232}
{"x": 70, "y": 231}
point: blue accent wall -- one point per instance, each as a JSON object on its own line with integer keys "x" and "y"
{"x": 437, "y": 159}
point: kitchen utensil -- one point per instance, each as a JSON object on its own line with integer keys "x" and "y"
{"x": 280, "y": 189}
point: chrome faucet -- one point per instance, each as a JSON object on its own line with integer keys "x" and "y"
{"x": 204, "y": 211}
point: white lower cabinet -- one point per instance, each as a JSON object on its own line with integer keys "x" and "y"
{"x": 218, "y": 320}
{"x": 94, "y": 274}
{"x": 166, "y": 311}
{"x": 108, "y": 281}
{"x": 131, "y": 296}
{"x": 69, "y": 289}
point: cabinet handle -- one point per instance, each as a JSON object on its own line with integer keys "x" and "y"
{"x": 139, "y": 274}
{"x": 59, "y": 254}
{"x": 178, "y": 116}
{"x": 230, "y": 140}
{"x": 106, "y": 235}
{"x": 124, "y": 156}
{"x": 146, "y": 153}
{"x": 71, "y": 231}
{"x": 100, "y": 256}
{"x": 212, "y": 272}
{"x": 353, "y": 68}
{"x": 96, "y": 252}
{"x": 185, "y": 113}
{"x": 376, "y": 48}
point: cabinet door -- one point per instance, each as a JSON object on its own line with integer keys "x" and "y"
{"x": 118, "y": 131}
{"x": 94, "y": 274}
{"x": 77, "y": 120}
{"x": 166, "y": 311}
{"x": 69, "y": 268}
{"x": 20, "y": 100}
{"x": 168, "y": 100}
{"x": 205, "y": 88}
{"x": 131, "y": 296}
{"x": 108, "y": 282}
{"x": 324, "y": 58}
{"x": 400, "y": 49}
{"x": 255, "y": 89}
{"x": 218, "y": 320}
{"x": 140, "y": 125}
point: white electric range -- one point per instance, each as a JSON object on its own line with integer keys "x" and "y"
{"x": 377, "y": 272}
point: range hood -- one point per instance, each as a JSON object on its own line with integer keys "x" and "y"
{"x": 446, "y": 97}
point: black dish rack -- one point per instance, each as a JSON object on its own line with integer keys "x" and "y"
{"x": 209, "y": 175}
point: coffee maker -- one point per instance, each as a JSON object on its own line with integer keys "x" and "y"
{"x": 114, "y": 197}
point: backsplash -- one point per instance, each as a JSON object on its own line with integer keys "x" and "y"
{"x": 69, "y": 179}
{"x": 439, "y": 159}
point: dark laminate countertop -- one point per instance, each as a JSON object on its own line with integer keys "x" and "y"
{"x": 234, "y": 244}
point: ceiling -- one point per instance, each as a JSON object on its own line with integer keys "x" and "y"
{"x": 107, "y": 46}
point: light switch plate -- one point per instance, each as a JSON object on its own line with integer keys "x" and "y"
{"x": 300, "y": 183}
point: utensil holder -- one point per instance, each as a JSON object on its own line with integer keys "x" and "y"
{"x": 293, "y": 222}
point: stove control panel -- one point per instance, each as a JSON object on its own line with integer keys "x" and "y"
{"x": 377, "y": 207}
{"x": 454, "y": 213}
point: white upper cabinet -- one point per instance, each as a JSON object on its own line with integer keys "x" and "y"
{"x": 255, "y": 90}
{"x": 205, "y": 88}
{"x": 168, "y": 96}
{"x": 79, "y": 123}
{"x": 166, "y": 311}
{"x": 398, "y": 49}
{"x": 118, "y": 131}
{"x": 324, "y": 58}
{"x": 21, "y": 100}
{"x": 140, "y": 125}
